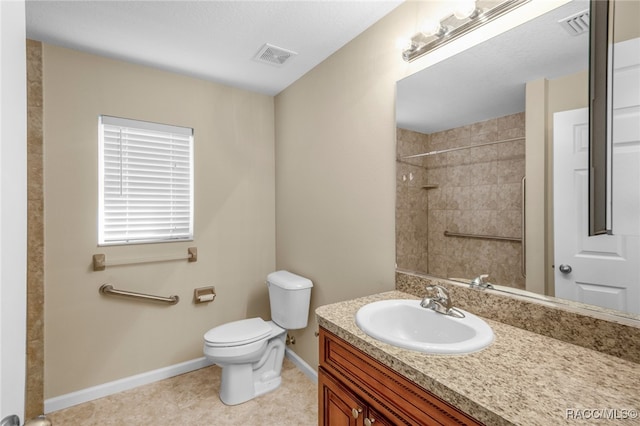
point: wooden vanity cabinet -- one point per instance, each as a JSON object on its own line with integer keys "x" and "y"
{"x": 356, "y": 390}
{"x": 342, "y": 407}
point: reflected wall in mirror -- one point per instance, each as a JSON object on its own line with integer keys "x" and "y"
{"x": 470, "y": 128}
{"x": 459, "y": 207}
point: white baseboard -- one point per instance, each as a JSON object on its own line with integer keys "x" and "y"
{"x": 311, "y": 373}
{"x": 110, "y": 388}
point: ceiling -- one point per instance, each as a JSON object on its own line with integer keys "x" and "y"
{"x": 212, "y": 40}
{"x": 488, "y": 80}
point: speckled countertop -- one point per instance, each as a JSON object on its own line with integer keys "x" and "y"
{"x": 522, "y": 378}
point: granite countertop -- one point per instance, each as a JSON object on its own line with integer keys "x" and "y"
{"x": 522, "y": 378}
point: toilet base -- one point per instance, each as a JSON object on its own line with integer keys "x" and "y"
{"x": 243, "y": 382}
{"x": 234, "y": 389}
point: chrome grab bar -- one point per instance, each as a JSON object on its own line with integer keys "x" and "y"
{"x": 484, "y": 237}
{"x": 107, "y": 289}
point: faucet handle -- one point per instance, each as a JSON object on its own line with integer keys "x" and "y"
{"x": 441, "y": 292}
{"x": 442, "y": 296}
{"x": 441, "y": 303}
{"x": 481, "y": 282}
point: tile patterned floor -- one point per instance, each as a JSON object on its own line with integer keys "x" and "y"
{"x": 192, "y": 399}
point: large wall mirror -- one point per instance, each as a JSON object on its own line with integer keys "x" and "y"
{"x": 493, "y": 159}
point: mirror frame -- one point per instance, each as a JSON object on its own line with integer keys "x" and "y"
{"x": 600, "y": 75}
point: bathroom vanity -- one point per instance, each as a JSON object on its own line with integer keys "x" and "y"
{"x": 521, "y": 378}
{"x": 356, "y": 389}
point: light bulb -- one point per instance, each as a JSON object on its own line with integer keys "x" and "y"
{"x": 404, "y": 43}
{"x": 431, "y": 27}
{"x": 464, "y": 9}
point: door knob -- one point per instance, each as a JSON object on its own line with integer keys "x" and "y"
{"x": 565, "y": 269}
{"x": 356, "y": 412}
{"x": 369, "y": 422}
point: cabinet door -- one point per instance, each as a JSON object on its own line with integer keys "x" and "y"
{"x": 337, "y": 405}
{"x": 388, "y": 397}
{"x": 340, "y": 406}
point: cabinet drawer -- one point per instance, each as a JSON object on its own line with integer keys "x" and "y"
{"x": 383, "y": 389}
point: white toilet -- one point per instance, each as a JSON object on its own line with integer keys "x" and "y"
{"x": 250, "y": 351}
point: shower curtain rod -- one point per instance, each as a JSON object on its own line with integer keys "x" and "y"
{"x": 459, "y": 148}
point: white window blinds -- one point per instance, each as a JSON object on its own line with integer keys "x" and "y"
{"x": 146, "y": 182}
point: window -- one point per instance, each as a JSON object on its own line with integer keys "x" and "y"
{"x": 145, "y": 182}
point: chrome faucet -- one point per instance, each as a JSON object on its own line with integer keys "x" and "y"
{"x": 480, "y": 282}
{"x": 440, "y": 303}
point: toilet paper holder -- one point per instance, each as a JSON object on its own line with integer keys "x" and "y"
{"x": 204, "y": 294}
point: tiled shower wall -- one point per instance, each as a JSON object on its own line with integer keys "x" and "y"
{"x": 472, "y": 191}
{"x": 34, "y": 397}
{"x": 411, "y": 203}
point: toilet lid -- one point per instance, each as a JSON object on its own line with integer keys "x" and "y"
{"x": 238, "y": 332}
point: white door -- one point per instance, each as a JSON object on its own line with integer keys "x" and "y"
{"x": 13, "y": 208}
{"x": 600, "y": 270}
{"x": 603, "y": 270}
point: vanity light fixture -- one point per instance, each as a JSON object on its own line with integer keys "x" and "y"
{"x": 465, "y": 16}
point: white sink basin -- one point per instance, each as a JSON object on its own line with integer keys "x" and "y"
{"x": 406, "y": 324}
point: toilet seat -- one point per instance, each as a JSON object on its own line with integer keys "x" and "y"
{"x": 238, "y": 333}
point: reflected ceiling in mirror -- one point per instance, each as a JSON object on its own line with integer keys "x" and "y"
{"x": 488, "y": 80}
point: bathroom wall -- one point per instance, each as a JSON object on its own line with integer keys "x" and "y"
{"x": 335, "y": 157}
{"x": 471, "y": 191}
{"x": 93, "y": 339}
{"x": 627, "y": 14}
{"x": 412, "y": 196}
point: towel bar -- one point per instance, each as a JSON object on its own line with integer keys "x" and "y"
{"x": 107, "y": 289}
{"x": 100, "y": 260}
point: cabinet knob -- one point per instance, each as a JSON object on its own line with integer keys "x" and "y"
{"x": 369, "y": 422}
{"x": 356, "y": 412}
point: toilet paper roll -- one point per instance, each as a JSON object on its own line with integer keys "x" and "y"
{"x": 206, "y": 297}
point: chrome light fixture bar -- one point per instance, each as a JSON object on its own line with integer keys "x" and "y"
{"x": 456, "y": 25}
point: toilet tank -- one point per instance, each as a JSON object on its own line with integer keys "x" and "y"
{"x": 289, "y": 296}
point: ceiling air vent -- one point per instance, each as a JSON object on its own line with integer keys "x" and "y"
{"x": 273, "y": 55}
{"x": 576, "y": 24}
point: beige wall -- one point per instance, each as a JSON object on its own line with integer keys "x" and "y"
{"x": 627, "y": 16}
{"x": 335, "y": 172}
{"x": 92, "y": 339}
{"x": 335, "y": 152}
